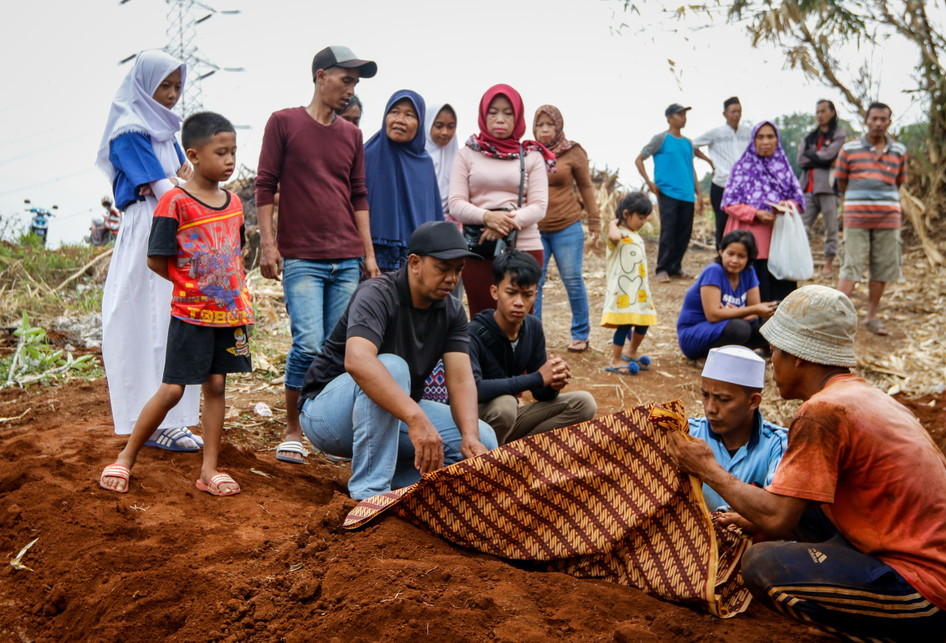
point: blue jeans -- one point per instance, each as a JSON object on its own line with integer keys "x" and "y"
{"x": 343, "y": 420}
{"x": 316, "y": 294}
{"x": 568, "y": 246}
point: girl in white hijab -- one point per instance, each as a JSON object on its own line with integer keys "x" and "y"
{"x": 440, "y": 124}
{"x": 141, "y": 158}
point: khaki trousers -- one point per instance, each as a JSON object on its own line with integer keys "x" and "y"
{"x": 511, "y": 421}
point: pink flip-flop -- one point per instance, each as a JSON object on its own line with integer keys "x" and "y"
{"x": 214, "y": 487}
{"x": 115, "y": 471}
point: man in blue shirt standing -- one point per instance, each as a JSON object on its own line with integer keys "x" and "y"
{"x": 743, "y": 443}
{"x": 675, "y": 185}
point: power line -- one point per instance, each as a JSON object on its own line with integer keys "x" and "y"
{"x": 25, "y": 138}
{"x": 183, "y": 17}
{"x": 21, "y": 188}
{"x": 38, "y": 150}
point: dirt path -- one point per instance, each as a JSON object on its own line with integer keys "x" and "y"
{"x": 168, "y": 562}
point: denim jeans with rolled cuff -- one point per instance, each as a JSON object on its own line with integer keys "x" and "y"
{"x": 316, "y": 294}
{"x": 342, "y": 420}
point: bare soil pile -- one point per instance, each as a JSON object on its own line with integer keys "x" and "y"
{"x": 168, "y": 562}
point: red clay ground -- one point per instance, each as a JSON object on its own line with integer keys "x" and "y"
{"x": 169, "y": 562}
{"x": 166, "y": 562}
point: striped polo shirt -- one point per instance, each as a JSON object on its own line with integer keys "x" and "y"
{"x": 872, "y": 198}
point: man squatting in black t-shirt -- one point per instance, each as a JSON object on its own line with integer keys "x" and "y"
{"x": 361, "y": 395}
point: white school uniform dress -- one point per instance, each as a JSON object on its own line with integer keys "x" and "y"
{"x": 136, "y": 303}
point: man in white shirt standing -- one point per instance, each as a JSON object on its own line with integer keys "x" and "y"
{"x": 726, "y": 144}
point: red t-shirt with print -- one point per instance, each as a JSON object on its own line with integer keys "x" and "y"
{"x": 205, "y": 264}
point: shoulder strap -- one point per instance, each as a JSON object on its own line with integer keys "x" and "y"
{"x": 492, "y": 343}
{"x": 522, "y": 174}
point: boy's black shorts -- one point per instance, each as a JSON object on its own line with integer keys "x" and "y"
{"x": 194, "y": 353}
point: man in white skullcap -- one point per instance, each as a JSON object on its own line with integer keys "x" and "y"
{"x": 861, "y": 481}
{"x": 743, "y": 443}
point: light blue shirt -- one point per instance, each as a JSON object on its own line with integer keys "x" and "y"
{"x": 673, "y": 165}
{"x": 755, "y": 461}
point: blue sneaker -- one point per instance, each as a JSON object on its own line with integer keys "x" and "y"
{"x": 176, "y": 439}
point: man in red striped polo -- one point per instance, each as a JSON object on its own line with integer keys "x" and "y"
{"x": 869, "y": 173}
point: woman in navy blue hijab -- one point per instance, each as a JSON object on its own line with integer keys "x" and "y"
{"x": 402, "y": 183}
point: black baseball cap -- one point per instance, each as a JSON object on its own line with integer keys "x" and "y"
{"x": 439, "y": 239}
{"x": 675, "y": 108}
{"x": 338, "y": 56}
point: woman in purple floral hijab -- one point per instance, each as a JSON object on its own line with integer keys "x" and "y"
{"x": 760, "y": 184}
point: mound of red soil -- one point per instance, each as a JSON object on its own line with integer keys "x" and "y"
{"x": 167, "y": 562}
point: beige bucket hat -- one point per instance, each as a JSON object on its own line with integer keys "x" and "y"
{"x": 817, "y": 324}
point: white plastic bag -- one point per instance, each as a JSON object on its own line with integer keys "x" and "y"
{"x": 790, "y": 253}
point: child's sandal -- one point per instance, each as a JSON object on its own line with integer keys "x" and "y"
{"x": 642, "y": 362}
{"x": 214, "y": 487}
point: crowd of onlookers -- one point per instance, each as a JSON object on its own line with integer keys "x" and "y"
{"x": 386, "y": 369}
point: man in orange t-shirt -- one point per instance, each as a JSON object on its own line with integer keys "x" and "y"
{"x": 861, "y": 479}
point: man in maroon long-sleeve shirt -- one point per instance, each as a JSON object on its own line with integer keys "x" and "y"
{"x": 316, "y": 163}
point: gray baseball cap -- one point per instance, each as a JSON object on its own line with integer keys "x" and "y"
{"x": 675, "y": 108}
{"x": 338, "y": 56}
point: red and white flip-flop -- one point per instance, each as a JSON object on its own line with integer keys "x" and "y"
{"x": 214, "y": 487}
{"x": 116, "y": 471}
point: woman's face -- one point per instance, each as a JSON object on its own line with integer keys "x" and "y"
{"x": 169, "y": 91}
{"x": 500, "y": 118}
{"x": 544, "y": 129}
{"x": 401, "y": 122}
{"x": 734, "y": 258}
{"x": 352, "y": 115}
{"x": 444, "y": 127}
{"x": 766, "y": 141}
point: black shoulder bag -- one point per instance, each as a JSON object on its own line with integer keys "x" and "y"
{"x": 473, "y": 233}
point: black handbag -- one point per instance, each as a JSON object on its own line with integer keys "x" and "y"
{"x": 473, "y": 233}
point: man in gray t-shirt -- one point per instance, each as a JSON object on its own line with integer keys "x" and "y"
{"x": 361, "y": 395}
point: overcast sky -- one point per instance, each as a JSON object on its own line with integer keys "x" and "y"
{"x": 611, "y": 83}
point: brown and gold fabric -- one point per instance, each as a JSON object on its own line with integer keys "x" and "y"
{"x": 601, "y": 499}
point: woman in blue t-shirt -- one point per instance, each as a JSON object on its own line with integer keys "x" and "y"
{"x": 722, "y": 306}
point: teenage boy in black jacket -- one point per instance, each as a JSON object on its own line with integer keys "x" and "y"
{"x": 507, "y": 350}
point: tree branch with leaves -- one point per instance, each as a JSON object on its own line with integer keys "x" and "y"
{"x": 810, "y": 34}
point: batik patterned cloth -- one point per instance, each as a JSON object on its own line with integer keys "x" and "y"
{"x": 601, "y": 499}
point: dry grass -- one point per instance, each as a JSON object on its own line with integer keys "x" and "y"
{"x": 30, "y": 277}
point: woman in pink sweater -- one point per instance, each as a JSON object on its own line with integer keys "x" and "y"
{"x": 484, "y": 186}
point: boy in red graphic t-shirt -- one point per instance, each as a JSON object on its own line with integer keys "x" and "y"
{"x": 195, "y": 243}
